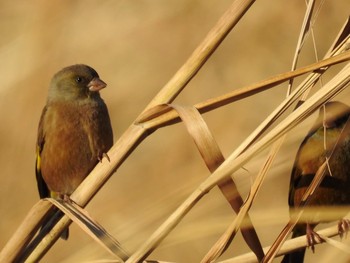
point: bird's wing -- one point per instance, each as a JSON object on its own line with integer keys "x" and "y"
{"x": 99, "y": 131}
{"x": 296, "y": 172}
{"x": 42, "y": 187}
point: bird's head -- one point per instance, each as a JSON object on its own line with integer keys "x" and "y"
{"x": 74, "y": 83}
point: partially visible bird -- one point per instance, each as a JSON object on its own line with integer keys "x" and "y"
{"x": 74, "y": 132}
{"x": 328, "y": 138}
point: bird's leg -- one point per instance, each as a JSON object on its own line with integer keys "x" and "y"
{"x": 312, "y": 237}
{"x": 67, "y": 199}
{"x": 61, "y": 197}
{"x": 343, "y": 227}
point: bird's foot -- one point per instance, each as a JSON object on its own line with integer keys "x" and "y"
{"x": 67, "y": 199}
{"x": 343, "y": 227}
{"x": 312, "y": 238}
{"x": 103, "y": 155}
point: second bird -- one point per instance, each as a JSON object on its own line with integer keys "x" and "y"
{"x": 328, "y": 138}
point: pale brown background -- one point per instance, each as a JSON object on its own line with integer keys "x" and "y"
{"x": 136, "y": 46}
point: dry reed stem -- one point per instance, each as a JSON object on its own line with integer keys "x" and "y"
{"x": 157, "y": 117}
{"x": 303, "y": 32}
{"x": 342, "y": 36}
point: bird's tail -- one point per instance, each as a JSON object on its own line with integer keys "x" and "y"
{"x": 298, "y": 255}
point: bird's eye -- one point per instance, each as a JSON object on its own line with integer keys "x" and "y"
{"x": 78, "y": 79}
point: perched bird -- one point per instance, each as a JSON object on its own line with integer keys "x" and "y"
{"x": 74, "y": 132}
{"x": 328, "y": 138}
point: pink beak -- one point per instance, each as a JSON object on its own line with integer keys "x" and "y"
{"x": 96, "y": 84}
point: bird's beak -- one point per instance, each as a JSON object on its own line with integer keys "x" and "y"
{"x": 96, "y": 84}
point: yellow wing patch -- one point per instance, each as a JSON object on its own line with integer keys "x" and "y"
{"x": 38, "y": 159}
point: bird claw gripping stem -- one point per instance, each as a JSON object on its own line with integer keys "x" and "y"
{"x": 343, "y": 227}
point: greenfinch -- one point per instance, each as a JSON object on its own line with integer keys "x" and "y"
{"x": 329, "y": 138}
{"x": 74, "y": 132}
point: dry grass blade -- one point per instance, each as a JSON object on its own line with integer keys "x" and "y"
{"x": 226, "y": 238}
{"x": 92, "y": 228}
{"x": 339, "y": 46}
{"x": 199, "y": 131}
{"x": 303, "y": 32}
{"x": 342, "y": 37}
{"x": 84, "y": 221}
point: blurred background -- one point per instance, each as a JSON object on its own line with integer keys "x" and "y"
{"x": 136, "y": 46}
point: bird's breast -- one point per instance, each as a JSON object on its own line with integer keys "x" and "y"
{"x": 67, "y": 155}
